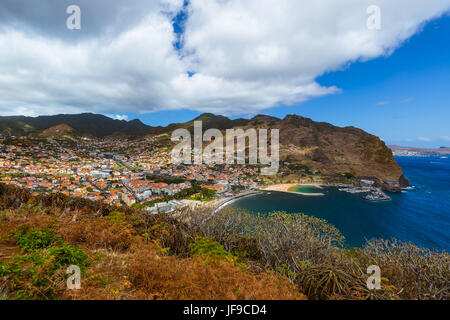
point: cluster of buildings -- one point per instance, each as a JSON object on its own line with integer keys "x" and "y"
{"x": 166, "y": 207}
{"x": 114, "y": 171}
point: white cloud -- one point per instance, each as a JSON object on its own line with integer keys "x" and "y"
{"x": 245, "y": 55}
{"x": 445, "y": 138}
{"x": 424, "y": 139}
{"x": 382, "y": 103}
{"x": 120, "y": 117}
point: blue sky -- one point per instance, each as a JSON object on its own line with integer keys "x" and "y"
{"x": 165, "y": 61}
{"x": 403, "y": 98}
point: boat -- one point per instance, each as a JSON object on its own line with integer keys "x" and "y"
{"x": 355, "y": 190}
{"x": 377, "y": 196}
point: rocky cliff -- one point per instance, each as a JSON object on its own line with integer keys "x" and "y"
{"x": 322, "y": 148}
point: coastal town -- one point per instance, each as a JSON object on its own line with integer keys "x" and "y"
{"x": 117, "y": 172}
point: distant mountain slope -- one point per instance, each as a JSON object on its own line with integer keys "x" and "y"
{"x": 58, "y": 131}
{"x": 15, "y": 126}
{"x": 95, "y": 125}
{"x": 420, "y": 151}
{"x": 209, "y": 121}
{"x": 324, "y": 149}
{"x": 328, "y": 150}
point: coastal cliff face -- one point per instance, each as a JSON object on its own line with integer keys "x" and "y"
{"x": 332, "y": 151}
{"x": 325, "y": 150}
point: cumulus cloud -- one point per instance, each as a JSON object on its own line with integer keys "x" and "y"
{"x": 118, "y": 116}
{"x": 238, "y": 57}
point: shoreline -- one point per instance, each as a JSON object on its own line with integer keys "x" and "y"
{"x": 222, "y": 203}
{"x": 287, "y": 188}
{"x": 218, "y": 204}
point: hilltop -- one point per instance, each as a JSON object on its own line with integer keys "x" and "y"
{"x": 86, "y": 124}
{"x": 59, "y": 131}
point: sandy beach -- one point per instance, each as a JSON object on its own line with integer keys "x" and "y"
{"x": 287, "y": 187}
{"x": 218, "y": 203}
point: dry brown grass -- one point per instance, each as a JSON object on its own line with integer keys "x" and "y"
{"x": 97, "y": 233}
{"x": 106, "y": 279}
{"x": 168, "y": 277}
{"x": 146, "y": 274}
{"x": 28, "y": 216}
{"x": 128, "y": 260}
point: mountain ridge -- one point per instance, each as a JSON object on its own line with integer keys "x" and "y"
{"x": 95, "y": 125}
{"x": 320, "y": 148}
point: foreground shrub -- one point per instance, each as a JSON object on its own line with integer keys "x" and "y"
{"x": 414, "y": 272}
{"x": 39, "y": 273}
{"x": 34, "y": 239}
{"x": 66, "y": 254}
{"x": 210, "y": 249}
{"x": 309, "y": 252}
{"x": 276, "y": 240}
{"x": 288, "y": 239}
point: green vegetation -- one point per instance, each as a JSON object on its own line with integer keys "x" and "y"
{"x": 193, "y": 193}
{"x": 34, "y": 239}
{"x": 302, "y": 168}
{"x": 42, "y": 262}
{"x": 127, "y": 254}
{"x": 66, "y": 254}
{"x": 310, "y": 253}
{"x": 210, "y": 249}
{"x": 349, "y": 175}
{"x": 167, "y": 180}
{"x": 204, "y": 195}
{"x": 183, "y": 194}
{"x": 237, "y": 189}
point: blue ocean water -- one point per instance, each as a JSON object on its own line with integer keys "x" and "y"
{"x": 420, "y": 215}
